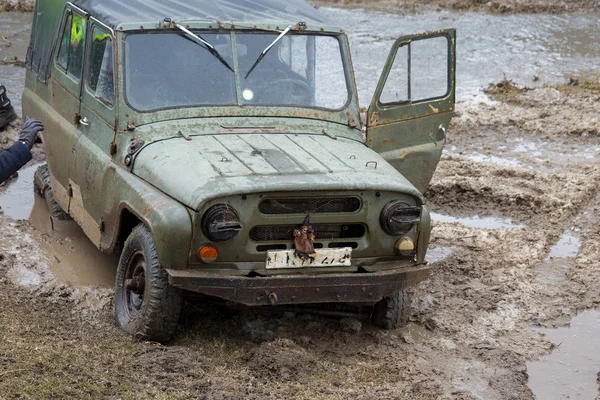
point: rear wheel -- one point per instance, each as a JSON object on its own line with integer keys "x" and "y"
{"x": 43, "y": 187}
{"x": 145, "y": 304}
{"x": 393, "y": 311}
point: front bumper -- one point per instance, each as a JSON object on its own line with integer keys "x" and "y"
{"x": 368, "y": 287}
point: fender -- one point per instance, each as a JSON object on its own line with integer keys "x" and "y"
{"x": 168, "y": 220}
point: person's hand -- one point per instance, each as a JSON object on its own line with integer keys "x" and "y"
{"x": 30, "y": 130}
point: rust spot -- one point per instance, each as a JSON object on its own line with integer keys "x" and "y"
{"x": 373, "y": 119}
{"x": 351, "y": 120}
{"x": 384, "y": 141}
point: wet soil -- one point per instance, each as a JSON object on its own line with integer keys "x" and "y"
{"x": 515, "y": 253}
{"x": 514, "y": 249}
{"x": 491, "y": 6}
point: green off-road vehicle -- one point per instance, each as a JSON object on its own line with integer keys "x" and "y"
{"x": 218, "y": 146}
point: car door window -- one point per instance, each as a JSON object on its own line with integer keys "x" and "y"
{"x": 100, "y": 76}
{"x": 70, "y": 54}
{"x": 420, "y": 72}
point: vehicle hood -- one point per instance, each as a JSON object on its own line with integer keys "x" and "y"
{"x": 213, "y": 166}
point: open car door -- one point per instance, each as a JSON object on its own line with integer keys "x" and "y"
{"x": 413, "y": 104}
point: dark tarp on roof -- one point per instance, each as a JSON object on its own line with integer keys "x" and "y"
{"x": 46, "y": 22}
{"x": 47, "y": 15}
{"x": 116, "y": 12}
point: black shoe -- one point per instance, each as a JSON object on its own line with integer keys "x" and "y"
{"x": 7, "y": 112}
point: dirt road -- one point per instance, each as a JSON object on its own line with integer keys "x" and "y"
{"x": 520, "y": 173}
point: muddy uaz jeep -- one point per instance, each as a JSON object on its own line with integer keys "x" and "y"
{"x": 219, "y": 147}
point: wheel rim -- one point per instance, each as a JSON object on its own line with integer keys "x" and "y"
{"x": 134, "y": 284}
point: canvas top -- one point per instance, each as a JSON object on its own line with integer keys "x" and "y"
{"x": 117, "y": 12}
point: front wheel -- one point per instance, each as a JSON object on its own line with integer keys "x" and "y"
{"x": 145, "y": 304}
{"x": 393, "y": 311}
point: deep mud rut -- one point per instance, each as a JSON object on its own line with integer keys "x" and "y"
{"x": 515, "y": 248}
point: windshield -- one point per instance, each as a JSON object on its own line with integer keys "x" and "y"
{"x": 166, "y": 70}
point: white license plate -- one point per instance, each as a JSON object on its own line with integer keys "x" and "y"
{"x": 325, "y": 258}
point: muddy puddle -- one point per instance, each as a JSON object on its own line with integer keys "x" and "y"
{"x": 549, "y": 47}
{"x": 566, "y": 247}
{"x": 571, "y": 371}
{"x": 478, "y": 222}
{"x": 72, "y": 257}
{"x": 17, "y": 197}
{"x": 518, "y": 152}
{"x": 437, "y": 253}
{"x": 14, "y": 39}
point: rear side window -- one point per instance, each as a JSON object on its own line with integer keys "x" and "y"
{"x": 99, "y": 80}
{"x": 70, "y": 54}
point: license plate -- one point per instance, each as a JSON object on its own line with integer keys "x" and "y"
{"x": 325, "y": 258}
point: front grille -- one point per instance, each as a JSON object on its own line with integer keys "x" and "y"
{"x": 312, "y": 206}
{"x": 266, "y": 233}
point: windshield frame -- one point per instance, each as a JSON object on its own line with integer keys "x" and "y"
{"x": 238, "y": 103}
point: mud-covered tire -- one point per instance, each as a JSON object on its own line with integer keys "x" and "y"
{"x": 392, "y": 312}
{"x": 43, "y": 187}
{"x": 149, "y": 312}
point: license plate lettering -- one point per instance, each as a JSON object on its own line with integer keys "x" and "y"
{"x": 340, "y": 257}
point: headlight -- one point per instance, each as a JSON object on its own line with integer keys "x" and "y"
{"x": 221, "y": 223}
{"x": 398, "y": 217}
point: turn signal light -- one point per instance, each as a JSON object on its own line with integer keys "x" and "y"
{"x": 405, "y": 246}
{"x": 208, "y": 254}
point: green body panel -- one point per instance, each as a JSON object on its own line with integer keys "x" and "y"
{"x": 209, "y": 167}
{"x": 412, "y": 135}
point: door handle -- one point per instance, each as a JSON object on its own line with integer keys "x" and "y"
{"x": 84, "y": 121}
{"x": 442, "y": 133}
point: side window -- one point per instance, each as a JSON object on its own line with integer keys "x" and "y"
{"x": 63, "y": 53}
{"x": 420, "y": 72}
{"x": 99, "y": 79}
{"x": 70, "y": 54}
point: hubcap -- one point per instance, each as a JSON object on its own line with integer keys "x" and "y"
{"x": 135, "y": 284}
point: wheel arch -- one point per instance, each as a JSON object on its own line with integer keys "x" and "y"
{"x": 132, "y": 201}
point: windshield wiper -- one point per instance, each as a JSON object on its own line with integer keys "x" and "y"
{"x": 265, "y": 51}
{"x": 209, "y": 47}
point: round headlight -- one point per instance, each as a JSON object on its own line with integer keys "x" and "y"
{"x": 221, "y": 223}
{"x": 398, "y": 217}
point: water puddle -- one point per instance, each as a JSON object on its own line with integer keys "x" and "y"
{"x": 552, "y": 47}
{"x": 439, "y": 253}
{"x": 567, "y": 246}
{"x": 479, "y": 222}
{"x": 492, "y": 159}
{"x": 73, "y": 257}
{"x": 571, "y": 371}
{"x": 22, "y": 276}
{"x": 17, "y": 198}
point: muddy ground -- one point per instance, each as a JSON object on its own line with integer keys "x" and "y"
{"x": 493, "y": 6}
{"x": 530, "y": 156}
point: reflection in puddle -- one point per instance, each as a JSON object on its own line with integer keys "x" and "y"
{"x": 438, "y": 253}
{"x": 73, "y": 257}
{"x": 16, "y": 200}
{"x": 22, "y": 276}
{"x": 567, "y": 246}
{"x": 491, "y": 159}
{"x": 570, "y": 372}
{"x": 479, "y": 222}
